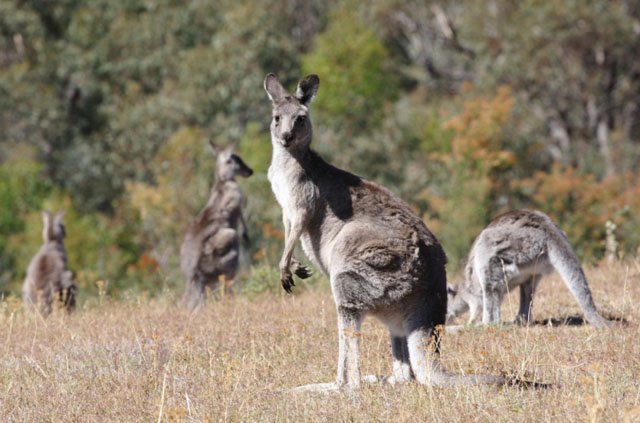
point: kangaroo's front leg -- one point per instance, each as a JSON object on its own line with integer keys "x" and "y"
{"x": 293, "y": 231}
{"x": 245, "y": 229}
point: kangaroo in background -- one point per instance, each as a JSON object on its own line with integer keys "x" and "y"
{"x": 211, "y": 247}
{"x": 380, "y": 257}
{"x": 517, "y": 249}
{"x": 47, "y": 273}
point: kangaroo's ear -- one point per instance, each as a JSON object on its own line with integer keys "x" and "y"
{"x": 274, "y": 88}
{"x": 46, "y": 217}
{"x": 307, "y": 89}
{"x": 214, "y": 147}
{"x": 59, "y": 215}
{"x": 47, "y": 229}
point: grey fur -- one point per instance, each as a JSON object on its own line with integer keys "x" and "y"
{"x": 380, "y": 258}
{"x": 516, "y": 250}
{"x": 47, "y": 274}
{"x": 211, "y": 246}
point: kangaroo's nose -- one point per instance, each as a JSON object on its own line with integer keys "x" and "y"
{"x": 287, "y": 136}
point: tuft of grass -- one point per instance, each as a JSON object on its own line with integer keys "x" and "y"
{"x": 147, "y": 359}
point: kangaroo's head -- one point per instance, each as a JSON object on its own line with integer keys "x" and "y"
{"x": 53, "y": 228}
{"x": 452, "y": 291}
{"x": 228, "y": 164}
{"x": 456, "y": 303}
{"x": 290, "y": 123}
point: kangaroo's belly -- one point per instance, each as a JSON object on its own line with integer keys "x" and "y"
{"x": 317, "y": 251}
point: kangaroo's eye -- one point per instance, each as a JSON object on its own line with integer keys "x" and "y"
{"x": 276, "y": 118}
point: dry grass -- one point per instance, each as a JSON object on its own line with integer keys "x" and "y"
{"x": 139, "y": 359}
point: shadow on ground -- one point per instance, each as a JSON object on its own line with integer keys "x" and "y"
{"x": 575, "y": 321}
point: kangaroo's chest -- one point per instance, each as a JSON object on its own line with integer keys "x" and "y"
{"x": 280, "y": 187}
{"x": 293, "y": 191}
{"x": 232, "y": 206}
{"x": 227, "y": 206}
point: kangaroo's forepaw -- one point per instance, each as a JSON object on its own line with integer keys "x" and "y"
{"x": 287, "y": 281}
{"x": 302, "y": 272}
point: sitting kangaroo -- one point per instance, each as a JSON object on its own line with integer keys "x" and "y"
{"x": 380, "y": 257}
{"x": 47, "y": 273}
{"x": 517, "y": 249}
{"x": 211, "y": 247}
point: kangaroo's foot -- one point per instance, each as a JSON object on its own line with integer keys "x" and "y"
{"x": 522, "y": 320}
{"x": 387, "y": 380}
{"x": 334, "y": 387}
{"x": 321, "y": 388}
{"x": 598, "y": 321}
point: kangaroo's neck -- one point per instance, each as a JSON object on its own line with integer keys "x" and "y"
{"x": 58, "y": 246}
{"x": 220, "y": 186}
{"x": 302, "y": 160}
{"x": 305, "y": 184}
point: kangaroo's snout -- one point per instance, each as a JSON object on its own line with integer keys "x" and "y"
{"x": 246, "y": 171}
{"x": 243, "y": 168}
{"x": 287, "y": 137}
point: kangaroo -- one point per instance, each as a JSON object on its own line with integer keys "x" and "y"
{"x": 47, "y": 273}
{"x": 517, "y": 249}
{"x": 211, "y": 247}
{"x": 380, "y": 258}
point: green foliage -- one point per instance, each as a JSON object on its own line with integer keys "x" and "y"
{"x": 353, "y": 65}
{"x": 464, "y": 111}
{"x": 22, "y": 189}
{"x": 569, "y": 68}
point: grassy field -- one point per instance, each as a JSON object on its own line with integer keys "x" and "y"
{"x": 145, "y": 360}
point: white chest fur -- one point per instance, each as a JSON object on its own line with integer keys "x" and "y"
{"x": 283, "y": 174}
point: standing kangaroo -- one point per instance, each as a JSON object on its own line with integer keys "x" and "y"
{"x": 47, "y": 273}
{"x": 517, "y": 249}
{"x": 380, "y": 258}
{"x": 211, "y": 247}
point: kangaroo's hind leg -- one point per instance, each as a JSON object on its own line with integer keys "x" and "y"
{"x": 423, "y": 343}
{"x": 349, "y": 322}
{"x": 493, "y": 281}
{"x": 527, "y": 292}
{"x": 29, "y": 295}
{"x": 195, "y": 294}
{"x": 47, "y": 300}
{"x": 401, "y": 364}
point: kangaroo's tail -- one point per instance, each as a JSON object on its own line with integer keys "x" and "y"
{"x": 423, "y": 344}
{"x": 565, "y": 261}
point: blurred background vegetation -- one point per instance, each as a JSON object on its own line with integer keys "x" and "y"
{"x": 463, "y": 109}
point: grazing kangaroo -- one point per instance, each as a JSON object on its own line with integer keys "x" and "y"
{"x": 380, "y": 258}
{"x": 211, "y": 247}
{"x": 517, "y": 249}
{"x": 47, "y": 273}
